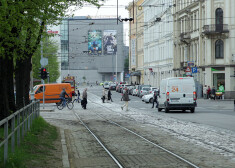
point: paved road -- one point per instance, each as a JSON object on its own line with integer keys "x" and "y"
{"x": 217, "y": 113}
{"x": 201, "y": 144}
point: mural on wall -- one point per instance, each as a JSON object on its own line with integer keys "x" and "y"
{"x": 109, "y": 42}
{"x": 94, "y": 42}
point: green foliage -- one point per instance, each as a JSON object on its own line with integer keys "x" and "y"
{"x": 50, "y": 48}
{"x": 33, "y": 150}
{"x": 84, "y": 78}
{"x": 126, "y": 64}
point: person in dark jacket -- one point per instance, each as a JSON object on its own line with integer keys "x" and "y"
{"x": 155, "y": 99}
{"x": 62, "y": 96}
{"x": 84, "y": 99}
{"x": 125, "y": 98}
{"x": 109, "y": 95}
{"x": 213, "y": 93}
{"x": 78, "y": 96}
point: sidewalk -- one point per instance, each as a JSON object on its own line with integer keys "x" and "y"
{"x": 219, "y": 104}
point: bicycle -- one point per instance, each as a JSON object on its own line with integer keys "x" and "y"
{"x": 77, "y": 100}
{"x": 69, "y": 103}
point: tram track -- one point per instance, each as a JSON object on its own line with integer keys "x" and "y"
{"x": 172, "y": 131}
{"x": 115, "y": 157}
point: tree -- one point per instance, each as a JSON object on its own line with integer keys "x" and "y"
{"x": 49, "y": 51}
{"x": 22, "y": 26}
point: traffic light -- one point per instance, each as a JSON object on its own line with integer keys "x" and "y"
{"x": 43, "y": 73}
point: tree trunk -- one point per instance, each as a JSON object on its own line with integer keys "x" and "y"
{"x": 4, "y": 106}
{"x": 19, "y": 78}
{"x": 10, "y": 85}
{"x": 22, "y": 77}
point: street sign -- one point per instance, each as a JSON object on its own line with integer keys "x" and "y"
{"x": 127, "y": 75}
{"x": 194, "y": 69}
{"x": 44, "y": 61}
{"x": 188, "y": 69}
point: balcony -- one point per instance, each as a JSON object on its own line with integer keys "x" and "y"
{"x": 215, "y": 29}
{"x": 185, "y": 37}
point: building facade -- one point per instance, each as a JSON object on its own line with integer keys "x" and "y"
{"x": 136, "y": 42}
{"x": 158, "y": 41}
{"x": 204, "y": 32}
{"x": 92, "y": 49}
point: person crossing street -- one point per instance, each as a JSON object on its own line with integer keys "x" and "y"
{"x": 125, "y": 98}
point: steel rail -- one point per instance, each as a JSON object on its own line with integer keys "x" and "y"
{"x": 97, "y": 139}
{"x": 164, "y": 149}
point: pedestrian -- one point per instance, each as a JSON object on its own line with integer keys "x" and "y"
{"x": 78, "y": 96}
{"x": 208, "y": 92}
{"x": 84, "y": 99}
{"x": 109, "y": 96}
{"x": 155, "y": 99}
{"x": 213, "y": 93}
{"x": 205, "y": 91}
{"x": 104, "y": 95}
{"x": 125, "y": 98}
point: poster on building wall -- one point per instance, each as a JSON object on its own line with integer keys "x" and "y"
{"x": 109, "y": 42}
{"x": 94, "y": 42}
{"x": 133, "y": 55}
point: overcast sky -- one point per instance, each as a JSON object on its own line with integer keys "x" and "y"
{"x": 108, "y": 9}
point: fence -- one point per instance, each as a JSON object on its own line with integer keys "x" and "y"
{"x": 21, "y": 122}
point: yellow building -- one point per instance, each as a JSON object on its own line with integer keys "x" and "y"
{"x": 136, "y": 42}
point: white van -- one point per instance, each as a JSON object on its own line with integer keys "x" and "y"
{"x": 177, "y": 93}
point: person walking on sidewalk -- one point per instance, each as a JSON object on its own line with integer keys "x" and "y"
{"x": 213, "y": 93}
{"x": 84, "y": 99}
{"x": 78, "y": 96}
{"x": 109, "y": 96}
{"x": 104, "y": 95}
{"x": 125, "y": 98}
{"x": 208, "y": 92}
{"x": 205, "y": 91}
{"x": 155, "y": 99}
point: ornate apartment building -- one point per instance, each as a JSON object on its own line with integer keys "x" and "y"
{"x": 204, "y": 38}
{"x": 158, "y": 41}
{"x": 136, "y": 42}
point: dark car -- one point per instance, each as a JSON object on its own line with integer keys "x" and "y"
{"x": 112, "y": 86}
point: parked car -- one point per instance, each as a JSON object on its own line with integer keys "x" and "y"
{"x": 131, "y": 89}
{"x": 117, "y": 87}
{"x": 120, "y": 88}
{"x": 125, "y": 85}
{"x": 140, "y": 87}
{"x": 144, "y": 91}
{"x": 135, "y": 90}
{"x": 106, "y": 85}
{"x": 152, "y": 89}
{"x": 112, "y": 86}
{"x": 148, "y": 98}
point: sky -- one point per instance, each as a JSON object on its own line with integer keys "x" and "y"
{"x": 109, "y": 8}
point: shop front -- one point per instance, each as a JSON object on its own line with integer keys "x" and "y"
{"x": 219, "y": 81}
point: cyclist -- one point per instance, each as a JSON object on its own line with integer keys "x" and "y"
{"x": 62, "y": 96}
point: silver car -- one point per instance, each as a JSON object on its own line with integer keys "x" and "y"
{"x": 148, "y": 98}
{"x": 106, "y": 85}
{"x": 144, "y": 91}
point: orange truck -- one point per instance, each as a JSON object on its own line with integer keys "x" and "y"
{"x": 52, "y": 92}
{"x": 71, "y": 80}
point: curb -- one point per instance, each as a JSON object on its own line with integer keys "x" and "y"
{"x": 65, "y": 159}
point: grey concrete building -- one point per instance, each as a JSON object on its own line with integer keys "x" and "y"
{"x": 92, "y": 48}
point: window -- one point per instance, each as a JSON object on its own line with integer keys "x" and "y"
{"x": 219, "y": 16}
{"x": 219, "y": 20}
{"x": 219, "y": 49}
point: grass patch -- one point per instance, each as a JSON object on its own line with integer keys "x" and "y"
{"x": 37, "y": 148}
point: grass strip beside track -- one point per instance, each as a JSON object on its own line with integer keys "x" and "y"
{"x": 40, "y": 148}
